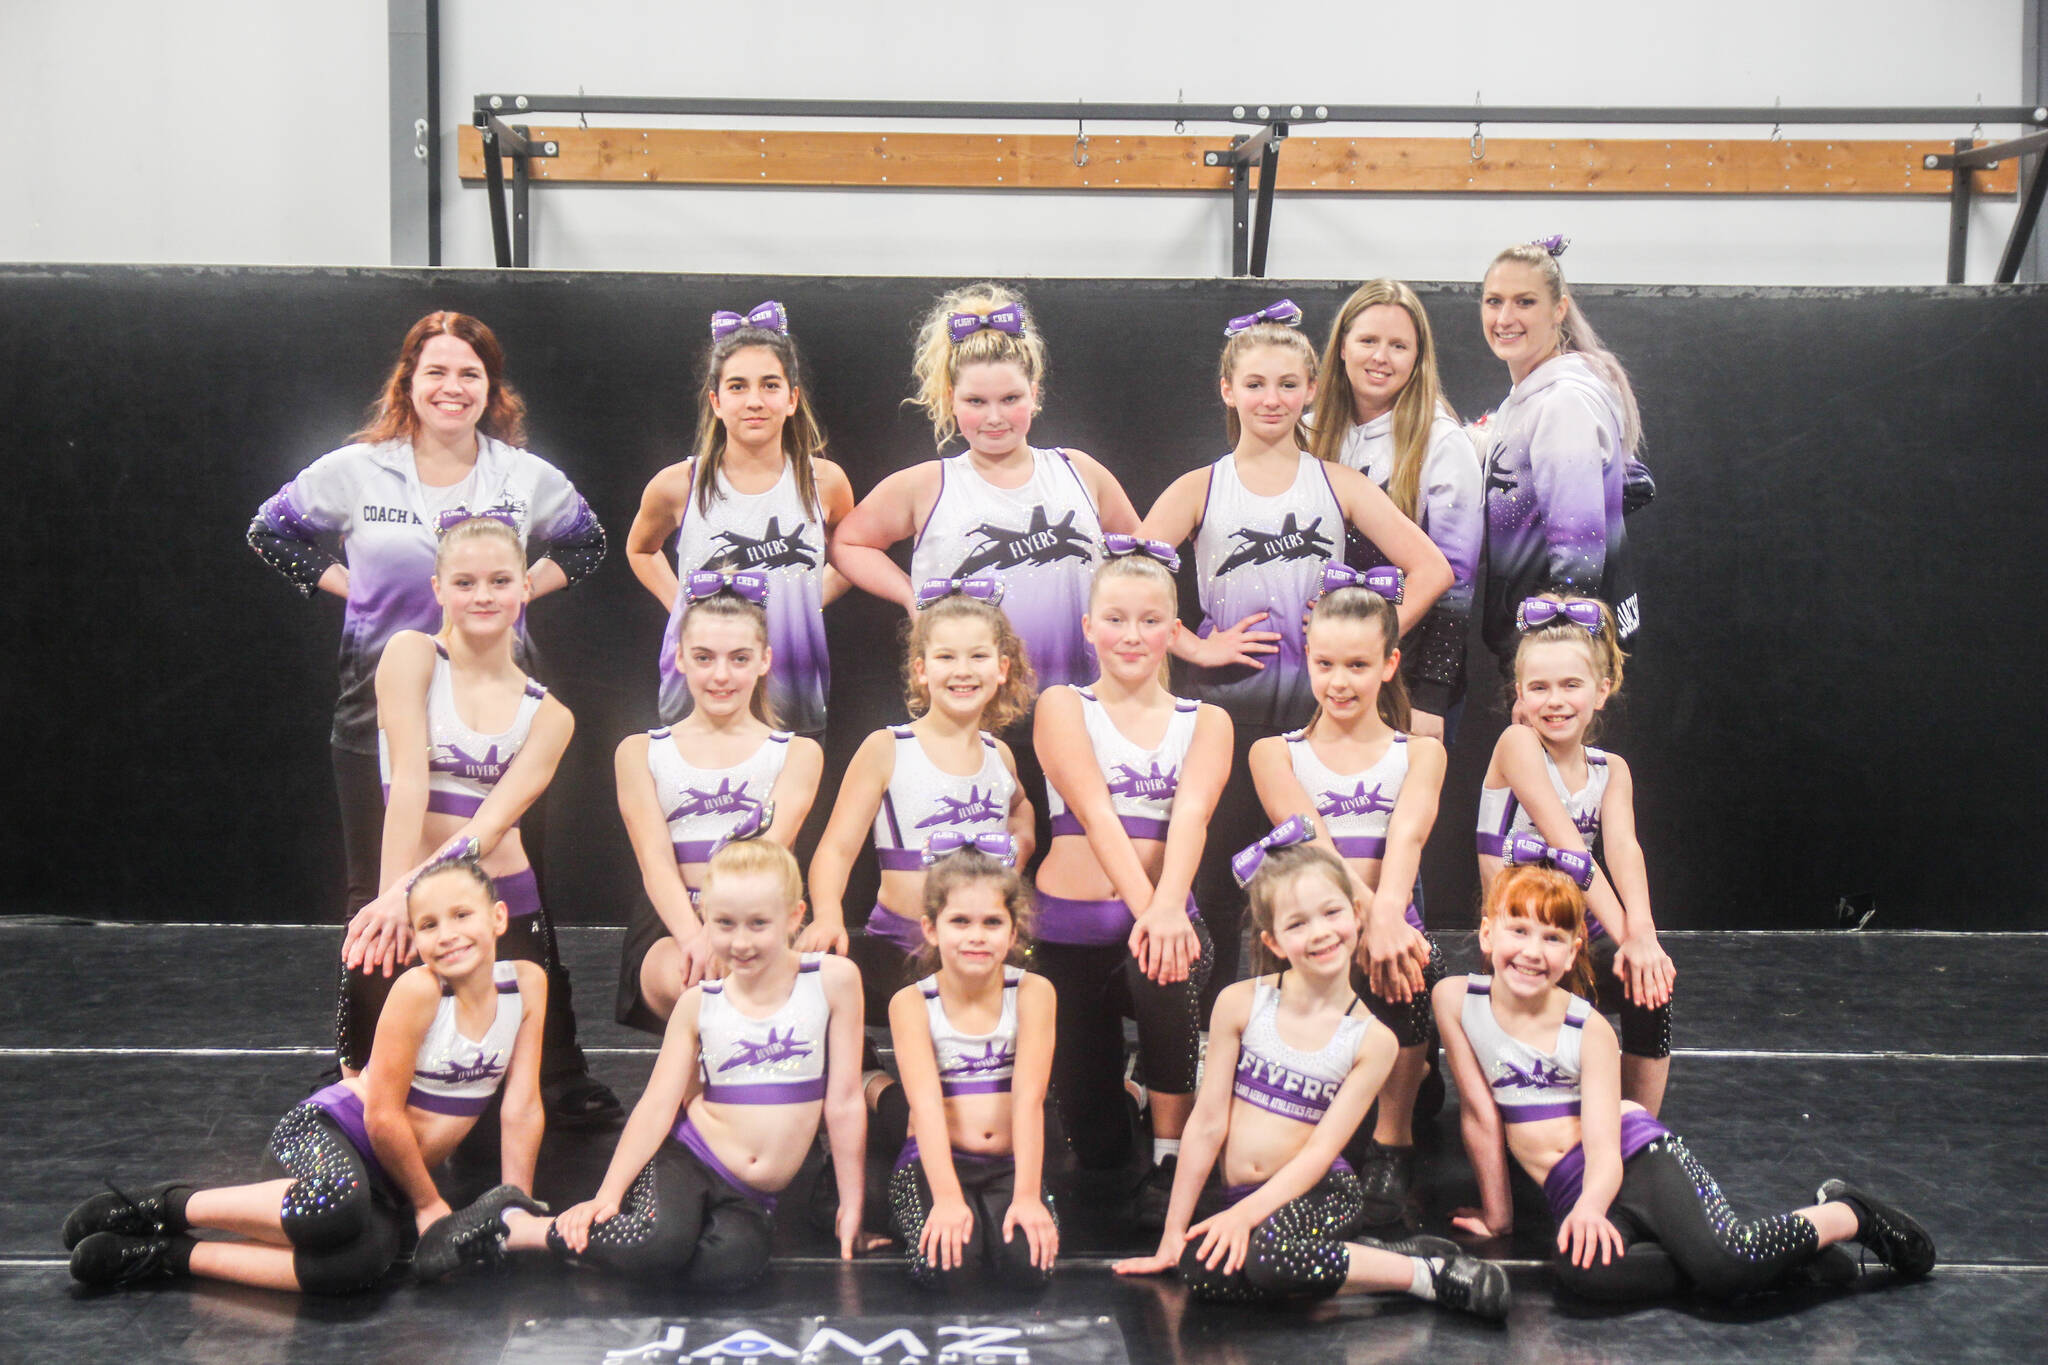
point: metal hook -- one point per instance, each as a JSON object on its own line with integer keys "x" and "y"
{"x": 1080, "y": 140}
{"x": 1478, "y": 140}
{"x": 1977, "y": 133}
{"x": 1777, "y": 129}
{"x": 582, "y": 119}
{"x": 1180, "y": 96}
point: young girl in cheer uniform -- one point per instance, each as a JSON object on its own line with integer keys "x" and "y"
{"x": 1294, "y": 1061}
{"x": 1545, "y": 779}
{"x": 756, "y": 497}
{"x": 748, "y": 1067}
{"x": 974, "y": 1045}
{"x": 456, "y": 1029}
{"x": 721, "y": 769}
{"x": 1539, "y": 1079}
{"x": 1387, "y": 418}
{"x": 1133, "y": 774}
{"x": 1265, "y": 519}
{"x": 1369, "y": 788}
{"x": 966, "y": 676}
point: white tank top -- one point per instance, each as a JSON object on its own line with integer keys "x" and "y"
{"x": 777, "y": 1060}
{"x": 770, "y": 533}
{"x": 1528, "y": 1084}
{"x": 458, "y": 1075}
{"x": 1356, "y": 807}
{"x": 703, "y": 805}
{"x": 463, "y": 764}
{"x": 1285, "y": 1080}
{"x": 1500, "y": 814}
{"x": 922, "y": 799}
{"x": 1142, "y": 782}
{"x": 974, "y": 1063}
{"x": 1042, "y": 541}
{"x": 1256, "y": 554}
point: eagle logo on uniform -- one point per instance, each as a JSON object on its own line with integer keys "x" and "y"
{"x": 1290, "y": 542}
{"x": 729, "y": 796}
{"x": 1356, "y": 802}
{"x": 976, "y": 808}
{"x": 1146, "y": 786}
{"x": 1042, "y": 542}
{"x": 774, "y": 548}
{"x": 774, "y": 1048}
{"x": 994, "y": 1057}
{"x": 1544, "y": 1075}
{"x": 453, "y": 760}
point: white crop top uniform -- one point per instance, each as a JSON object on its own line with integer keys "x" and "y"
{"x": 463, "y": 764}
{"x": 1284, "y": 1080}
{"x": 1500, "y": 814}
{"x": 921, "y": 799}
{"x": 974, "y": 1063}
{"x": 1042, "y": 541}
{"x": 777, "y": 1060}
{"x": 458, "y": 1075}
{"x": 1356, "y": 807}
{"x": 1142, "y": 782}
{"x": 1529, "y": 1084}
{"x": 703, "y": 805}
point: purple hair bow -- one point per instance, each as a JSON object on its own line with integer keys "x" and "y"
{"x": 1116, "y": 544}
{"x": 1537, "y": 612}
{"x": 746, "y": 583}
{"x": 455, "y": 516}
{"x": 1518, "y": 849}
{"x": 1286, "y": 312}
{"x": 989, "y": 590}
{"x": 946, "y": 842}
{"x": 1008, "y": 318}
{"x": 1295, "y": 829}
{"x": 466, "y": 849}
{"x": 1383, "y": 579}
{"x": 1555, "y": 243}
{"x": 752, "y": 825}
{"x": 770, "y": 316}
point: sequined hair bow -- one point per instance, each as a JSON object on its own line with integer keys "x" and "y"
{"x": 1116, "y": 544}
{"x": 752, "y": 825}
{"x": 1286, "y": 312}
{"x": 1295, "y": 829}
{"x": 770, "y": 316}
{"x": 464, "y": 850}
{"x": 455, "y": 516}
{"x": 710, "y": 582}
{"x": 1555, "y": 243}
{"x": 1383, "y": 579}
{"x": 946, "y": 842}
{"x": 1525, "y": 848}
{"x": 989, "y": 590}
{"x": 1537, "y": 612}
{"x": 1008, "y": 318}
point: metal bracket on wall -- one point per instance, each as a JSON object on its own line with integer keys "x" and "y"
{"x": 1969, "y": 157}
{"x": 1251, "y": 228}
{"x": 510, "y": 242}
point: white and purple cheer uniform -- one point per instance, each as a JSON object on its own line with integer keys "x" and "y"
{"x": 775, "y": 534}
{"x": 1555, "y": 481}
{"x": 974, "y": 1063}
{"x": 1256, "y": 554}
{"x": 920, "y": 799}
{"x": 371, "y": 497}
{"x": 463, "y": 765}
{"x": 1452, "y": 512}
{"x": 1501, "y": 815}
{"x": 1285, "y": 1080}
{"x": 704, "y": 805}
{"x": 1042, "y": 541}
{"x": 1356, "y": 808}
{"x": 1142, "y": 786}
{"x": 1530, "y": 1085}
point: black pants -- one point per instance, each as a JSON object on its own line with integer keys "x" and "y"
{"x": 1030, "y": 777}
{"x": 884, "y": 970}
{"x": 1644, "y": 1032}
{"x": 1238, "y": 821}
{"x": 1097, "y": 988}
{"x": 1412, "y": 1024}
{"x": 1680, "y": 1232}
{"x": 683, "y": 1222}
{"x": 346, "y": 1228}
{"x": 989, "y": 1185}
{"x": 1297, "y": 1251}
{"x": 530, "y": 937}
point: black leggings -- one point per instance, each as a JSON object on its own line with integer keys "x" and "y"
{"x": 1297, "y": 1251}
{"x": 989, "y": 1184}
{"x": 1680, "y": 1232}
{"x": 1644, "y": 1032}
{"x": 1413, "y": 1024}
{"x": 884, "y": 970}
{"x": 1238, "y": 820}
{"x": 360, "y": 999}
{"x": 345, "y": 1228}
{"x": 682, "y": 1221}
{"x": 1096, "y": 989}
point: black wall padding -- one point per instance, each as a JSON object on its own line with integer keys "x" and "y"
{"x": 1838, "y": 687}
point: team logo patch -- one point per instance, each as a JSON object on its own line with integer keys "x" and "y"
{"x": 775, "y": 548}
{"x": 1358, "y": 801}
{"x": 782, "y": 1047}
{"x": 1146, "y": 786}
{"x": 994, "y": 1056}
{"x": 906, "y": 1339}
{"x": 1291, "y": 542}
{"x": 487, "y": 1067}
{"x": 728, "y": 797}
{"x": 1544, "y": 1075}
{"x": 976, "y": 808}
{"x": 453, "y": 760}
{"x": 1042, "y": 542}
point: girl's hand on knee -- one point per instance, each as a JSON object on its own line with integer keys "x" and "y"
{"x": 379, "y": 936}
{"x": 946, "y": 1230}
{"x": 1040, "y": 1231}
{"x": 1646, "y": 970}
{"x": 697, "y": 962}
{"x": 575, "y": 1222}
{"x": 823, "y": 936}
{"x": 1225, "y": 1239}
{"x": 1165, "y": 944}
{"x": 1584, "y": 1233}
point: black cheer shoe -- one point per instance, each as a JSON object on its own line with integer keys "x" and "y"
{"x": 580, "y": 1103}
{"x": 1154, "y": 1194}
{"x": 472, "y": 1235}
{"x": 1461, "y": 1281}
{"x": 1884, "y": 1230}
{"x": 108, "y": 1259}
{"x": 1385, "y": 1175}
{"x": 117, "y": 1211}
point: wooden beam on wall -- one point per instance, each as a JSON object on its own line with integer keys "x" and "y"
{"x": 1393, "y": 165}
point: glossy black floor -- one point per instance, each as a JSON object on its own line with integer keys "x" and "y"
{"x": 1917, "y": 1064}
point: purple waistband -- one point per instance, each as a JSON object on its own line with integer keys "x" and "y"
{"x": 687, "y": 1134}
{"x": 900, "y": 859}
{"x": 767, "y": 1092}
{"x": 1089, "y": 924}
{"x": 463, "y": 1105}
{"x": 886, "y": 924}
{"x": 1237, "y": 1194}
{"x": 1360, "y": 845}
{"x": 345, "y": 1107}
{"x": 975, "y": 1160}
{"x": 1137, "y": 826}
{"x": 1568, "y": 1177}
{"x": 520, "y": 891}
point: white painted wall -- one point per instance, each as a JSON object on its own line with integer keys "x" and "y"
{"x": 178, "y": 133}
